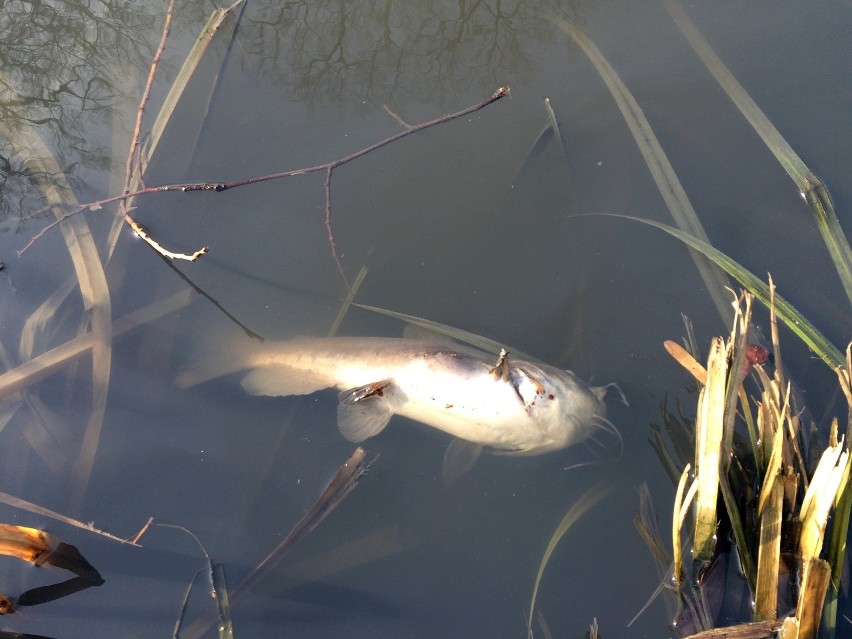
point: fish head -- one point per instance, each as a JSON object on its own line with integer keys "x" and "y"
{"x": 565, "y": 408}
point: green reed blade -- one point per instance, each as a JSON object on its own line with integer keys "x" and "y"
{"x": 787, "y": 313}
{"x": 438, "y": 330}
{"x": 809, "y": 185}
{"x": 580, "y": 508}
{"x": 837, "y": 553}
{"x": 658, "y": 163}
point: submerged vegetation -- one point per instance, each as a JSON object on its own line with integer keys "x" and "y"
{"x": 766, "y": 492}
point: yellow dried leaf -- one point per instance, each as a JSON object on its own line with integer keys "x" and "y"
{"x": 681, "y": 504}
{"x": 819, "y": 499}
{"x": 24, "y": 543}
{"x": 685, "y": 359}
{"x": 709, "y": 430}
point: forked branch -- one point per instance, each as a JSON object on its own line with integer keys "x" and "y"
{"x": 218, "y": 187}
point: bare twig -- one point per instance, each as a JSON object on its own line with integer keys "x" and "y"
{"x": 218, "y": 187}
{"x": 142, "y": 531}
{"x": 330, "y": 232}
{"x": 402, "y": 123}
{"x": 146, "y": 94}
{"x": 136, "y": 151}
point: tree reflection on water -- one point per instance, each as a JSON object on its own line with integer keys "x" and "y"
{"x": 69, "y": 66}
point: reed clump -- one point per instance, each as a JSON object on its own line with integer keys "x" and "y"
{"x": 761, "y": 490}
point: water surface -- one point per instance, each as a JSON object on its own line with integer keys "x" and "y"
{"x": 460, "y": 224}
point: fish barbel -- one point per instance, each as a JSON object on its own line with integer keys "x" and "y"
{"x": 511, "y": 406}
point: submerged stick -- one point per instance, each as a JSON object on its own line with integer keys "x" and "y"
{"x": 195, "y": 287}
{"x": 338, "y": 488}
{"x": 48, "y": 362}
{"x": 93, "y": 288}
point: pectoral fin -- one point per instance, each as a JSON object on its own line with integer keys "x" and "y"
{"x": 364, "y": 411}
{"x": 460, "y": 457}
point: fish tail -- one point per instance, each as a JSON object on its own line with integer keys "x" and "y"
{"x": 217, "y": 358}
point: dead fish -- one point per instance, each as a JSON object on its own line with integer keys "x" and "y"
{"x": 512, "y": 406}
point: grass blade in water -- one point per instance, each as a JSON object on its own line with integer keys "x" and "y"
{"x": 658, "y": 164}
{"x": 93, "y": 287}
{"x": 487, "y": 345}
{"x": 580, "y": 508}
{"x": 788, "y": 314}
{"x": 193, "y": 59}
{"x": 48, "y": 362}
{"x": 16, "y": 502}
{"x": 339, "y": 487}
{"x": 223, "y": 605}
{"x": 808, "y": 184}
{"x": 348, "y": 300}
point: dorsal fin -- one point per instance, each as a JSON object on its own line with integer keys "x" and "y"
{"x": 501, "y": 368}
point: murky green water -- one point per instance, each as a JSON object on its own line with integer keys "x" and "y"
{"x": 459, "y": 223}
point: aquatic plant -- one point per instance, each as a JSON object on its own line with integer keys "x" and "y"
{"x": 787, "y": 517}
{"x": 788, "y": 520}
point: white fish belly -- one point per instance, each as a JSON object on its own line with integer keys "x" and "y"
{"x": 476, "y": 407}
